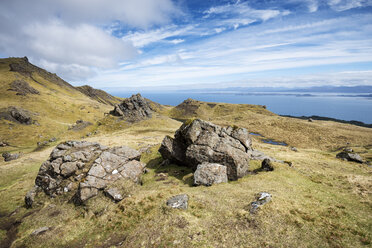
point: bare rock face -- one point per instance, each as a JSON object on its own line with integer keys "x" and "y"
{"x": 134, "y": 108}
{"x": 208, "y": 174}
{"x": 200, "y": 141}
{"x": 83, "y": 168}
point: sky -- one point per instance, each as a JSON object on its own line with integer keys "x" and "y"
{"x": 159, "y": 45}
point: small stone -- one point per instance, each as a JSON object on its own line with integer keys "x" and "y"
{"x": 266, "y": 165}
{"x": 294, "y": 149}
{"x": 115, "y": 172}
{"x": 30, "y": 196}
{"x": 41, "y": 230}
{"x": 261, "y": 199}
{"x": 9, "y": 156}
{"x": 114, "y": 194}
{"x": 178, "y": 201}
{"x": 348, "y": 150}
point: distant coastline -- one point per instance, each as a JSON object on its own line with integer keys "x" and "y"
{"x": 322, "y": 118}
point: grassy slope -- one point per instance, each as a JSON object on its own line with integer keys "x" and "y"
{"x": 319, "y": 202}
{"x": 295, "y": 132}
{"x": 56, "y": 108}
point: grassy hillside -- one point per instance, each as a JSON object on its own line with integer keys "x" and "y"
{"x": 320, "y": 201}
{"x": 327, "y": 135}
{"x": 57, "y": 106}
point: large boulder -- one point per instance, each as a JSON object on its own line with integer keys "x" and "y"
{"x": 134, "y": 108}
{"x": 83, "y": 168}
{"x": 200, "y": 141}
{"x": 209, "y": 173}
{"x": 354, "y": 157}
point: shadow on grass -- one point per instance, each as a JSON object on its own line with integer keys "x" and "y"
{"x": 182, "y": 173}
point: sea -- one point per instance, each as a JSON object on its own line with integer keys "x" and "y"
{"x": 344, "y": 107}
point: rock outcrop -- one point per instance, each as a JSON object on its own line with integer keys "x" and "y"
{"x": 16, "y": 114}
{"x": 209, "y": 173}
{"x": 98, "y": 95}
{"x": 22, "y": 88}
{"x": 199, "y": 141}
{"x": 135, "y": 108}
{"x": 354, "y": 157}
{"x": 84, "y": 168}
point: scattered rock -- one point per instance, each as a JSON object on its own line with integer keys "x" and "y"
{"x": 266, "y": 165}
{"x": 135, "y": 108}
{"x": 30, "y": 196}
{"x": 199, "y": 141}
{"x": 83, "y": 168}
{"x": 16, "y": 114}
{"x": 310, "y": 120}
{"x": 258, "y": 155}
{"x": 209, "y": 173}
{"x": 3, "y": 143}
{"x": 178, "y": 201}
{"x": 261, "y": 199}
{"x": 39, "y": 231}
{"x": 46, "y": 142}
{"x": 350, "y": 156}
{"x": 22, "y": 88}
{"x": 79, "y": 125}
{"x": 10, "y": 156}
{"x": 114, "y": 194}
{"x": 294, "y": 149}
{"x": 161, "y": 177}
{"x": 348, "y": 150}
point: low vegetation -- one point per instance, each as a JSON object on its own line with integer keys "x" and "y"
{"x": 319, "y": 201}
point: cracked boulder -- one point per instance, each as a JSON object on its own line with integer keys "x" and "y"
{"x": 83, "y": 169}
{"x": 135, "y": 108}
{"x": 199, "y": 141}
{"x": 208, "y": 174}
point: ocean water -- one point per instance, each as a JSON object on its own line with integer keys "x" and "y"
{"x": 344, "y": 108}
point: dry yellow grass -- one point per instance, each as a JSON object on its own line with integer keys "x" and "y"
{"x": 318, "y": 202}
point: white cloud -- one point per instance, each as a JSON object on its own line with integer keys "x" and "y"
{"x": 68, "y": 37}
{"x": 144, "y": 38}
{"x": 243, "y": 10}
{"x": 257, "y": 51}
{"x": 342, "y": 5}
{"x": 177, "y": 41}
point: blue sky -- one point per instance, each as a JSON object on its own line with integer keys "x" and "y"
{"x": 190, "y": 44}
